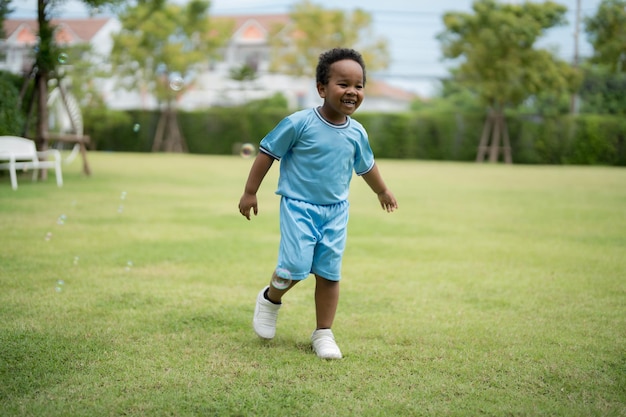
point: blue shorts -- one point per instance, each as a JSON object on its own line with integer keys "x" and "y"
{"x": 312, "y": 238}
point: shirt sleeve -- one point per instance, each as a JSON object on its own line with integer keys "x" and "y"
{"x": 364, "y": 156}
{"x": 279, "y": 140}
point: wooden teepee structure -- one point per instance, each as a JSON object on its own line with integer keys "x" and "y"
{"x": 71, "y": 110}
{"x": 494, "y": 140}
{"x": 168, "y": 137}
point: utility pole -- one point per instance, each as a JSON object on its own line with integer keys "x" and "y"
{"x": 574, "y": 98}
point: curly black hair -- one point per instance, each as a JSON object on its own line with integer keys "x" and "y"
{"x": 322, "y": 73}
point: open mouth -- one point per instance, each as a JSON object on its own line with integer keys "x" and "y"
{"x": 349, "y": 102}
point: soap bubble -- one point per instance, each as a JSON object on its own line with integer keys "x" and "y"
{"x": 247, "y": 150}
{"x": 76, "y": 260}
{"x": 61, "y": 219}
{"x": 59, "y": 285}
{"x": 176, "y": 82}
{"x": 136, "y": 127}
{"x": 62, "y": 58}
{"x": 281, "y": 279}
{"x": 120, "y": 208}
{"x": 129, "y": 265}
{"x": 48, "y": 236}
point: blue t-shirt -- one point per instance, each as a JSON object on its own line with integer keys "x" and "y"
{"x": 316, "y": 157}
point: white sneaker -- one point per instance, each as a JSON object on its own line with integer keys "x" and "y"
{"x": 265, "y": 316}
{"x": 324, "y": 344}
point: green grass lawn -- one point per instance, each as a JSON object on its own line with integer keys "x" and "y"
{"x": 494, "y": 290}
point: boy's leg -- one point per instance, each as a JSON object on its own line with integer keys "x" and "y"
{"x": 268, "y": 303}
{"x": 326, "y": 301}
{"x": 275, "y": 295}
{"x": 327, "y": 260}
{"x": 295, "y": 254}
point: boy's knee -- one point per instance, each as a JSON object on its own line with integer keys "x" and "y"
{"x": 326, "y": 281}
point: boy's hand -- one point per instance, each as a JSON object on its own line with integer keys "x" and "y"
{"x": 246, "y": 203}
{"x": 387, "y": 201}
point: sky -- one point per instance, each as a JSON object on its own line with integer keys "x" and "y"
{"x": 410, "y": 26}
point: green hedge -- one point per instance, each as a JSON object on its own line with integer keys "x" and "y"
{"x": 11, "y": 118}
{"x": 430, "y": 136}
{"x": 582, "y": 139}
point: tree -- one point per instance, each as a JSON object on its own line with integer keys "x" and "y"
{"x": 312, "y": 30}
{"x": 500, "y": 63}
{"x": 159, "y": 51}
{"x": 11, "y": 118}
{"x": 602, "y": 90}
{"x": 243, "y": 75}
{"x": 452, "y": 97}
{"x": 606, "y": 31}
{"x": 10, "y": 114}
{"x": 46, "y": 62}
{"x": 5, "y": 10}
{"x": 81, "y": 68}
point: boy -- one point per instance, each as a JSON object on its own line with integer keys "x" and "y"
{"x": 318, "y": 150}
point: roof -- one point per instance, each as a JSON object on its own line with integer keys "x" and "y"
{"x": 378, "y": 88}
{"x": 249, "y": 27}
{"x": 267, "y": 21}
{"x": 83, "y": 30}
{"x": 69, "y": 30}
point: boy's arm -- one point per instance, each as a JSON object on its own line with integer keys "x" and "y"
{"x": 385, "y": 196}
{"x": 248, "y": 201}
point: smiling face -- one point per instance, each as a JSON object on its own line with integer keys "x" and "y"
{"x": 343, "y": 93}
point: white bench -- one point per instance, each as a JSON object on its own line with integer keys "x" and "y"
{"x": 21, "y": 153}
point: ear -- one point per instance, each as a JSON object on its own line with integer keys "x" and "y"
{"x": 321, "y": 90}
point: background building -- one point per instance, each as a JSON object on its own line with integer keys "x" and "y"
{"x": 213, "y": 86}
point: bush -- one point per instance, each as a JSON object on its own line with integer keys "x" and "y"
{"x": 598, "y": 140}
{"x": 583, "y": 139}
{"x": 11, "y": 117}
{"x": 540, "y": 140}
{"x": 217, "y": 131}
{"x": 109, "y": 130}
